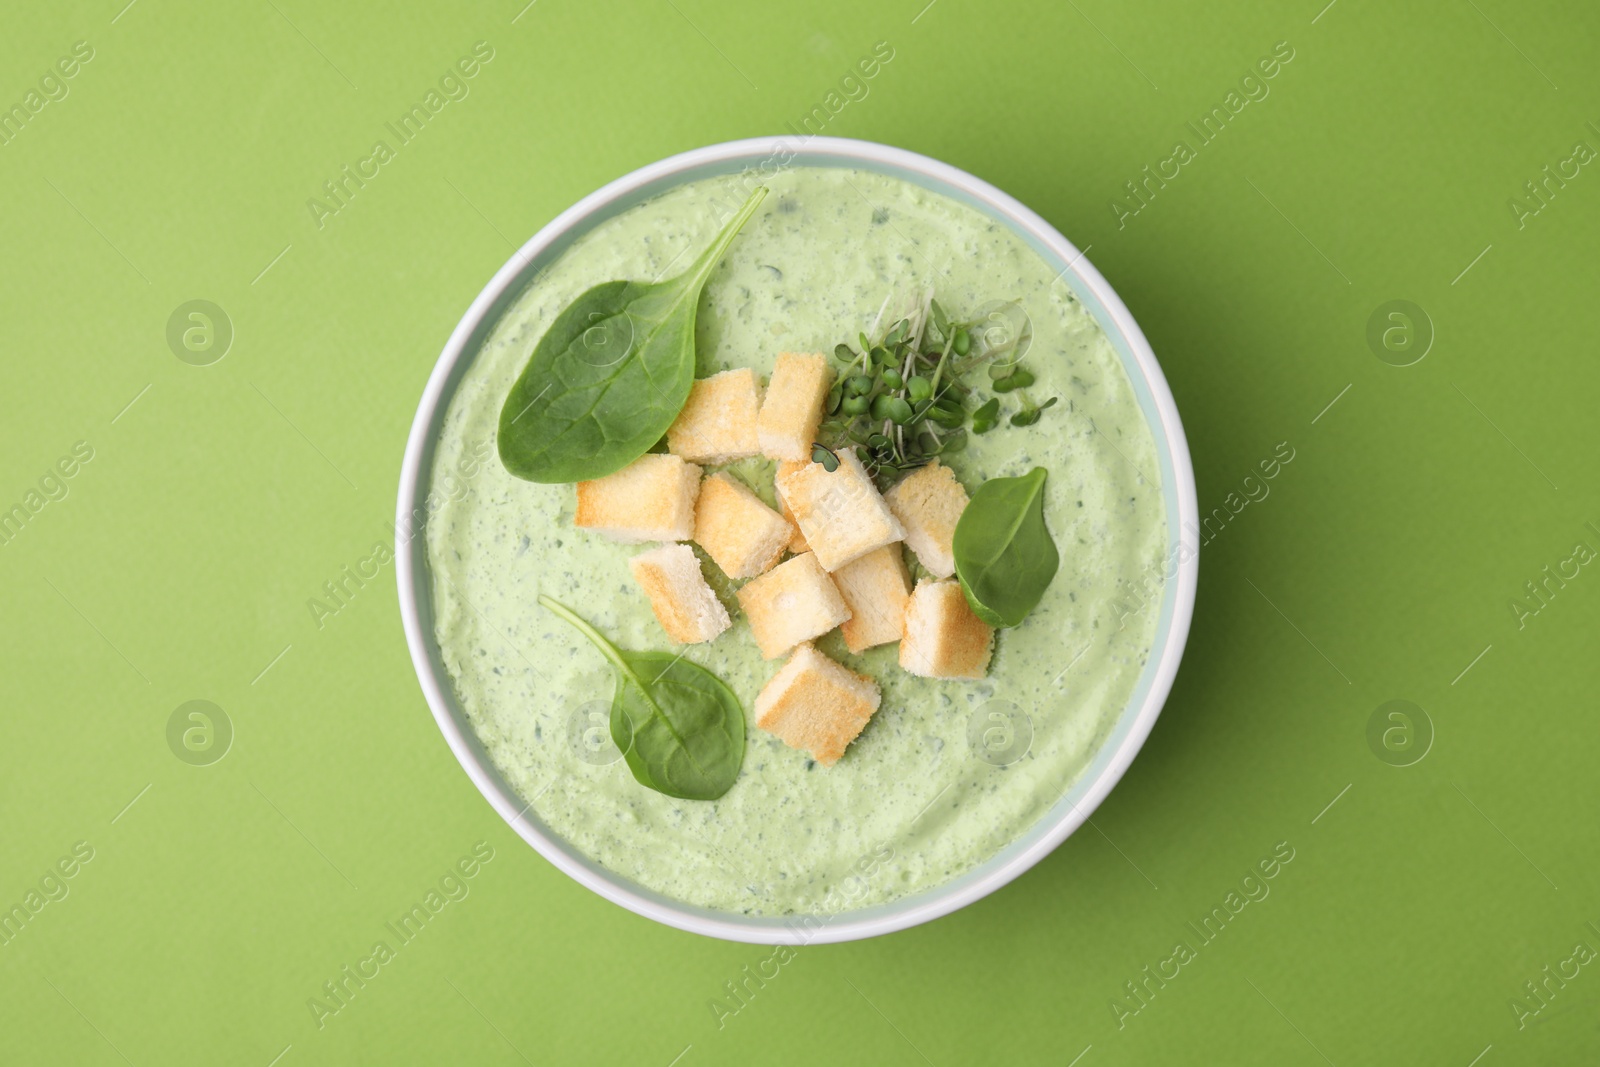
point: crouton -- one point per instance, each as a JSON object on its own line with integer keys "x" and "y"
{"x": 651, "y": 499}
{"x": 797, "y": 543}
{"x": 928, "y": 503}
{"x": 943, "y": 638}
{"x": 816, "y": 705}
{"x": 793, "y": 602}
{"x": 684, "y": 604}
{"x": 792, "y": 410}
{"x": 718, "y": 421}
{"x": 875, "y": 589}
{"x": 840, "y": 512}
{"x": 738, "y": 531}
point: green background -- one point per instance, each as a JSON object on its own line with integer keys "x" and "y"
{"x": 1381, "y": 566}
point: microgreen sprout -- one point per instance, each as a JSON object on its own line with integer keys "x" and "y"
{"x": 901, "y": 397}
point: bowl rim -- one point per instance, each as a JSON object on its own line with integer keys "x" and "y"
{"x": 1181, "y": 577}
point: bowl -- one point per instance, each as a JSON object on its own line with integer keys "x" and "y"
{"x": 1154, "y": 398}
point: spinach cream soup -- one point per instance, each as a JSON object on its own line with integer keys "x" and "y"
{"x": 946, "y": 773}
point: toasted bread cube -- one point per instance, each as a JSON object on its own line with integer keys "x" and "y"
{"x": 718, "y": 421}
{"x": 841, "y": 513}
{"x": 736, "y": 528}
{"x": 651, "y": 499}
{"x": 792, "y": 410}
{"x": 943, "y": 638}
{"x": 797, "y": 543}
{"x": 816, "y": 705}
{"x": 793, "y": 602}
{"x": 684, "y": 604}
{"x": 875, "y": 588}
{"x": 928, "y": 503}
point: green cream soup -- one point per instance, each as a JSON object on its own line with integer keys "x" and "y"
{"x": 946, "y": 773}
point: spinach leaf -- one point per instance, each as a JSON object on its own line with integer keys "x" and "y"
{"x": 610, "y": 374}
{"x": 679, "y": 727}
{"x": 1005, "y": 558}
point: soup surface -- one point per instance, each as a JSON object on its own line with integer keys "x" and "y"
{"x": 947, "y": 772}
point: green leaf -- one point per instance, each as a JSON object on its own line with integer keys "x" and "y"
{"x": 680, "y": 728}
{"x": 1020, "y": 378}
{"x": 983, "y": 419}
{"x": 610, "y": 374}
{"x": 1005, "y": 558}
{"x": 1030, "y": 415}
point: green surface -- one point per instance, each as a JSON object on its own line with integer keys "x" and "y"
{"x": 1382, "y": 564}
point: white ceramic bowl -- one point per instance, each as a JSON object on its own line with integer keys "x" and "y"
{"x": 1177, "y": 483}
